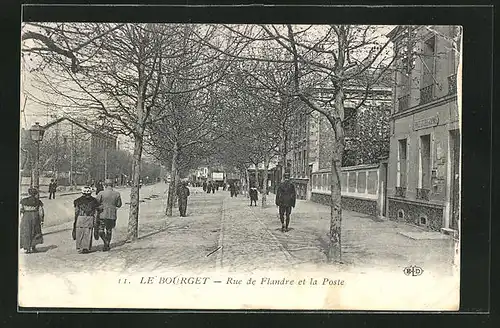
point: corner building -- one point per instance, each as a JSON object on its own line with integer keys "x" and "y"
{"x": 423, "y": 186}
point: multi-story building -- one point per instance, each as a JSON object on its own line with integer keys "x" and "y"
{"x": 72, "y": 151}
{"x": 310, "y": 143}
{"x": 424, "y": 165}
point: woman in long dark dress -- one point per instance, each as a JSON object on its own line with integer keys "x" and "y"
{"x": 86, "y": 211}
{"x": 31, "y": 221}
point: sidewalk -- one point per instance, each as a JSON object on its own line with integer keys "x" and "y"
{"x": 366, "y": 241}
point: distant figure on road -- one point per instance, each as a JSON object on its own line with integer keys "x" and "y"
{"x": 99, "y": 187}
{"x": 204, "y": 186}
{"x": 285, "y": 200}
{"x": 182, "y": 196}
{"x": 86, "y": 211}
{"x": 254, "y": 195}
{"x": 232, "y": 189}
{"x": 209, "y": 187}
{"x": 31, "y": 221}
{"x": 52, "y": 189}
{"x": 109, "y": 201}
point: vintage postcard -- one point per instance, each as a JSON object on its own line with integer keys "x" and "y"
{"x": 251, "y": 166}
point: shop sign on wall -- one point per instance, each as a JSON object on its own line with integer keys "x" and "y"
{"x": 426, "y": 122}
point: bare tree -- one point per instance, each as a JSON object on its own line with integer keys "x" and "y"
{"x": 118, "y": 76}
{"x": 325, "y": 60}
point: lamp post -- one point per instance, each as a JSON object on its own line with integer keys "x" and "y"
{"x": 36, "y": 132}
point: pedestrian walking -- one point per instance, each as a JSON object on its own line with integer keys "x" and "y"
{"x": 254, "y": 195}
{"x": 285, "y": 200}
{"x": 52, "y": 189}
{"x": 86, "y": 211}
{"x": 204, "y": 186}
{"x": 109, "y": 201}
{"x": 182, "y": 196}
{"x": 232, "y": 189}
{"x": 31, "y": 221}
{"x": 99, "y": 187}
{"x": 209, "y": 187}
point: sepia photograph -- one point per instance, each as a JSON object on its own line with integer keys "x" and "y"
{"x": 221, "y": 166}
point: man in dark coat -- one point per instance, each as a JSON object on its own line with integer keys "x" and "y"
{"x": 232, "y": 189}
{"x": 254, "y": 195}
{"x": 285, "y": 200}
{"x": 204, "y": 186}
{"x": 52, "y": 189}
{"x": 99, "y": 187}
{"x": 182, "y": 196}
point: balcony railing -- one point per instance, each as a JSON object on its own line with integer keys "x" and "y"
{"x": 452, "y": 84}
{"x": 401, "y": 192}
{"x": 423, "y": 194}
{"x": 426, "y": 94}
{"x": 403, "y": 103}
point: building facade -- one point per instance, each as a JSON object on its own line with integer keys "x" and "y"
{"x": 310, "y": 143}
{"x": 423, "y": 184}
{"x": 72, "y": 152}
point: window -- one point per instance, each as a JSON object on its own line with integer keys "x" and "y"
{"x": 372, "y": 182}
{"x": 352, "y": 182}
{"x": 343, "y": 181}
{"x": 304, "y": 157}
{"x": 299, "y": 165}
{"x": 361, "y": 182}
{"x": 402, "y": 163}
{"x": 425, "y": 162}
{"x": 428, "y": 59}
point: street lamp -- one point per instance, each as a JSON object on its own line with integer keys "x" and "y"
{"x": 36, "y": 132}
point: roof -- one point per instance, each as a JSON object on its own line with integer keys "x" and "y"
{"x": 81, "y": 125}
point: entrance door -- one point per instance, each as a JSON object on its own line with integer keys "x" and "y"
{"x": 455, "y": 178}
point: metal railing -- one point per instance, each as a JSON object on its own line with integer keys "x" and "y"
{"x": 401, "y": 192}
{"x": 452, "y": 84}
{"x": 403, "y": 103}
{"x": 423, "y": 194}
{"x": 426, "y": 94}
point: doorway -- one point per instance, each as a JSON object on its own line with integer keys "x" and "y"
{"x": 455, "y": 178}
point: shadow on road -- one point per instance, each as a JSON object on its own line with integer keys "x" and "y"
{"x": 57, "y": 231}
{"x": 44, "y": 249}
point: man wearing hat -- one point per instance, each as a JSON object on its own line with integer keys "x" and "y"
{"x": 285, "y": 200}
{"x": 182, "y": 195}
{"x": 110, "y": 200}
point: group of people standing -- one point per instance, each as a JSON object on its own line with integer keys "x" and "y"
{"x": 210, "y": 187}
{"x": 94, "y": 217}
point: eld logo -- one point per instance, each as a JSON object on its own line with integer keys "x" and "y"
{"x": 413, "y": 271}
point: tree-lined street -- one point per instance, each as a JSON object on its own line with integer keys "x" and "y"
{"x": 234, "y": 99}
{"x": 225, "y": 234}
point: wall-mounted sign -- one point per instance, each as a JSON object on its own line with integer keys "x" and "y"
{"x": 426, "y": 122}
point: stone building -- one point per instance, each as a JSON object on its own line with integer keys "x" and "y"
{"x": 423, "y": 184}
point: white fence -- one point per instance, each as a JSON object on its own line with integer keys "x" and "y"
{"x": 361, "y": 181}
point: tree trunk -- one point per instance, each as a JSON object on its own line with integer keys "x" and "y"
{"x": 133, "y": 218}
{"x": 247, "y": 189}
{"x": 171, "y": 185}
{"x": 264, "y": 181}
{"x": 335, "y": 248}
{"x": 176, "y": 185}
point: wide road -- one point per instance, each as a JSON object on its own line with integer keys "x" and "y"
{"x": 61, "y": 210}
